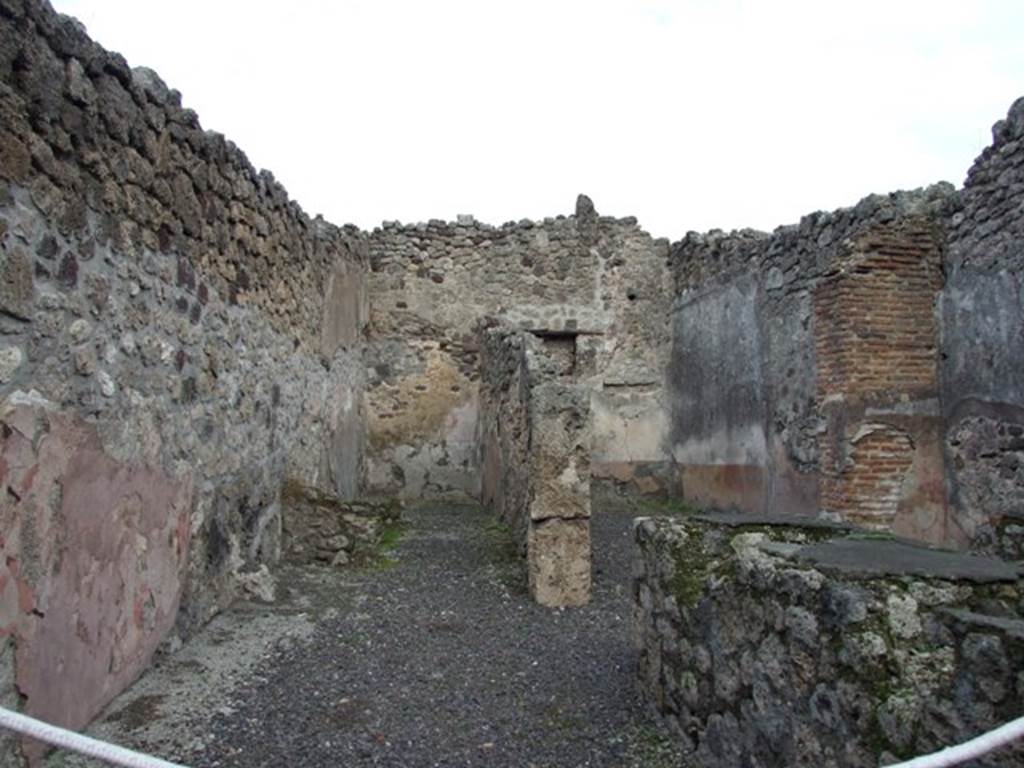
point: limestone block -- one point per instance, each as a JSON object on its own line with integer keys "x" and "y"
{"x": 558, "y": 553}
{"x": 561, "y": 452}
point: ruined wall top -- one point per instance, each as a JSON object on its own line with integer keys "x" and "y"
{"x": 796, "y": 252}
{"x": 95, "y": 138}
{"x": 986, "y": 229}
{"x": 582, "y": 272}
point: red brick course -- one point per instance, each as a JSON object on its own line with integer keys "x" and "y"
{"x": 875, "y": 342}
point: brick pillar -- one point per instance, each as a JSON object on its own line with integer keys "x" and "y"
{"x": 876, "y": 346}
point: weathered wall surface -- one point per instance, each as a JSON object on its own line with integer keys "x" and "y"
{"x": 176, "y": 338}
{"x": 535, "y": 447}
{"x": 827, "y": 396}
{"x": 318, "y": 527}
{"x": 720, "y": 398}
{"x": 762, "y": 643}
{"x": 432, "y": 282}
{"x": 982, "y": 336}
{"x": 875, "y": 361}
{"x": 503, "y": 429}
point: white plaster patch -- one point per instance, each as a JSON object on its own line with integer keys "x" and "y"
{"x": 569, "y": 477}
{"x": 738, "y": 445}
{"x": 32, "y": 398}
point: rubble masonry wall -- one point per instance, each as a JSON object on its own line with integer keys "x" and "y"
{"x": 433, "y": 282}
{"x": 765, "y": 641}
{"x": 176, "y": 339}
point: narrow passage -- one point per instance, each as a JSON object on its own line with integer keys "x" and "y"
{"x": 441, "y": 659}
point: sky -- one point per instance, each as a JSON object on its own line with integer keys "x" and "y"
{"x": 689, "y": 115}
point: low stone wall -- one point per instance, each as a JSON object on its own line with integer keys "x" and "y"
{"x": 771, "y": 643}
{"x": 534, "y": 443}
{"x": 317, "y": 527}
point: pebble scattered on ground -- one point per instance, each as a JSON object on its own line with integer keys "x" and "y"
{"x": 432, "y": 656}
{"x": 443, "y": 660}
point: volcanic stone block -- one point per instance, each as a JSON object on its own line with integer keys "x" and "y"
{"x": 16, "y": 285}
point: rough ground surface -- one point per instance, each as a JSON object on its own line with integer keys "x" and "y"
{"x": 434, "y": 658}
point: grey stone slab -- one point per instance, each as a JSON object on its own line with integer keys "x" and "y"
{"x": 874, "y": 557}
{"x": 739, "y": 519}
{"x": 1012, "y": 627}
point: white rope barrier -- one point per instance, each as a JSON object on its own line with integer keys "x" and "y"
{"x": 60, "y": 737}
{"x": 116, "y": 755}
{"x": 976, "y": 747}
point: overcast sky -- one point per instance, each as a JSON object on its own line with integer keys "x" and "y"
{"x": 688, "y": 115}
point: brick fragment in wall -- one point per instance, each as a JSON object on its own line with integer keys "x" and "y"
{"x": 864, "y": 486}
{"x": 876, "y": 345}
{"x": 875, "y": 330}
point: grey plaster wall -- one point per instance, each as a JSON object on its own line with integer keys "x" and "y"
{"x": 717, "y": 393}
{"x": 982, "y": 329}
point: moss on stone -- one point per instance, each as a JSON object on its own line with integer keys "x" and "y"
{"x": 381, "y": 555}
{"x": 693, "y": 564}
{"x": 501, "y": 542}
{"x": 390, "y": 535}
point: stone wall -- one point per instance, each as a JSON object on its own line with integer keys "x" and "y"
{"x": 535, "y": 448}
{"x": 827, "y": 398}
{"x": 982, "y": 339}
{"x": 176, "y": 338}
{"x": 319, "y": 528}
{"x": 432, "y": 282}
{"x": 761, "y": 642}
{"x": 875, "y": 362}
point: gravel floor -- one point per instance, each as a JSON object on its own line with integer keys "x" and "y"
{"x": 441, "y": 659}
